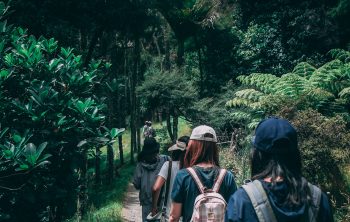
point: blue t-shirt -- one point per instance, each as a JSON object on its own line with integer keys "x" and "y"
{"x": 240, "y": 208}
{"x": 185, "y": 189}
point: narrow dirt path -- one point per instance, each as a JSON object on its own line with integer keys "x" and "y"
{"x": 131, "y": 211}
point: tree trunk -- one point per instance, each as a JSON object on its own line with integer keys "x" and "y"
{"x": 160, "y": 117}
{"x": 98, "y": 166}
{"x": 110, "y": 161}
{"x": 121, "y": 152}
{"x": 175, "y": 127}
{"x": 98, "y": 33}
{"x": 138, "y": 131}
{"x": 200, "y": 66}
{"x": 139, "y": 77}
{"x": 134, "y": 79}
{"x": 168, "y": 125}
{"x": 180, "y": 53}
{"x": 82, "y": 188}
{"x": 132, "y": 120}
{"x": 167, "y": 64}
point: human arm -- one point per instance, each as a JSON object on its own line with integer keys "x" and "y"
{"x": 175, "y": 212}
{"x": 157, "y": 187}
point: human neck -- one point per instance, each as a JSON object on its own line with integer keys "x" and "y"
{"x": 269, "y": 179}
{"x": 205, "y": 164}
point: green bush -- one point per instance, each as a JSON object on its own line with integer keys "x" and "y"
{"x": 48, "y": 99}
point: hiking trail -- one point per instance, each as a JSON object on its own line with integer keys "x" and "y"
{"x": 131, "y": 211}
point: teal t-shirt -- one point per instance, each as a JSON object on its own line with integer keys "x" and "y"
{"x": 185, "y": 189}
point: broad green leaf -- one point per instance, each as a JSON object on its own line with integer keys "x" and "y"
{"x": 16, "y": 138}
{"x": 30, "y": 153}
{"x": 40, "y": 149}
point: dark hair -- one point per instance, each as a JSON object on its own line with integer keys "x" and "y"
{"x": 287, "y": 166}
{"x": 179, "y": 155}
{"x": 150, "y": 151}
{"x": 199, "y": 151}
{"x": 147, "y": 158}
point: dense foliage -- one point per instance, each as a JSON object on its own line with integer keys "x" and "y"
{"x": 224, "y": 63}
{"x": 50, "y": 119}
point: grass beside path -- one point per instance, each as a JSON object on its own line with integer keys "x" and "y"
{"x": 109, "y": 200}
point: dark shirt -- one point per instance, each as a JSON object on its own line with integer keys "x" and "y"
{"x": 241, "y": 209}
{"x": 185, "y": 189}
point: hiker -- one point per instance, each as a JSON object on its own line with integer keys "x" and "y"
{"x": 171, "y": 168}
{"x": 151, "y": 131}
{"x": 145, "y": 129}
{"x": 148, "y": 130}
{"x": 278, "y": 191}
{"x": 147, "y": 169}
{"x": 202, "y": 162}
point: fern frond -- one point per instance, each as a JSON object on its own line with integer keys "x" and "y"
{"x": 253, "y": 124}
{"x": 264, "y": 82}
{"x": 292, "y": 85}
{"x": 326, "y": 75}
{"x": 241, "y": 116}
{"x": 345, "y": 93}
{"x": 249, "y": 94}
{"x": 319, "y": 94}
{"x": 237, "y": 102}
{"x": 340, "y": 54}
{"x": 304, "y": 69}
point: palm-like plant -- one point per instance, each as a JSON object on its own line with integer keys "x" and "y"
{"x": 325, "y": 89}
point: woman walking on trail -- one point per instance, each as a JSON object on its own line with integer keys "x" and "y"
{"x": 147, "y": 169}
{"x": 202, "y": 160}
{"x": 278, "y": 191}
{"x": 176, "y": 163}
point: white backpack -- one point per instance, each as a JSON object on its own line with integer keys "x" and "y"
{"x": 209, "y": 205}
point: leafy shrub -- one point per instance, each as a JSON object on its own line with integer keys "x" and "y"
{"x": 324, "y": 144}
{"x": 48, "y": 99}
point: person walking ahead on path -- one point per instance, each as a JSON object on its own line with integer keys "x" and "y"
{"x": 177, "y": 162}
{"x": 202, "y": 156}
{"x": 147, "y": 169}
{"x": 278, "y": 191}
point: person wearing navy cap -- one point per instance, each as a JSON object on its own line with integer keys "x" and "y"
{"x": 278, "y": 191}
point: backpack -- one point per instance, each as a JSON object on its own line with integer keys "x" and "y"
{"x": 209, "y": 205}
{"x": 262, "y": 206}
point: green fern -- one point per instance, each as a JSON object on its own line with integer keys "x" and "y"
{"x": 249, "y": 94}
{"x": 340, "y": 54}
{"x": 326, "y": 89}
{"x": 345, "y": 93}
{"x": 237, "y": 102}
{"x": 292, "y": 85}
{"x": 304, "y": 69}
{"x": 263, "y": 82}
{"x": 241, "y": 116}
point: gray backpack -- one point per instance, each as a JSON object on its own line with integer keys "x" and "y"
{"x": 262, "y": 206}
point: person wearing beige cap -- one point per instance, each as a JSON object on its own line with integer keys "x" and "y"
{"x": 166, "y": 176}
{"x": 200, "y": 176}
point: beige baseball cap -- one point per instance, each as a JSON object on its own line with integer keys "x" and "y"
{"x": 178, "y": 146}
{"x": 199, "y": 132}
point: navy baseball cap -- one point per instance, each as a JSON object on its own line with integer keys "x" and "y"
{"x": 276, "y": 136}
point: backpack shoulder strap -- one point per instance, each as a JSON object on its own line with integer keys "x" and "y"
{"x": 316, "y": 194}
{"x": 195, "y": 177}
{"x": 260, "y": 201}
{"x": 219, "y": 180}
{"x": 168, "y": 182}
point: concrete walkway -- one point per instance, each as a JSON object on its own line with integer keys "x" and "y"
{"x": 131, "y": 211}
